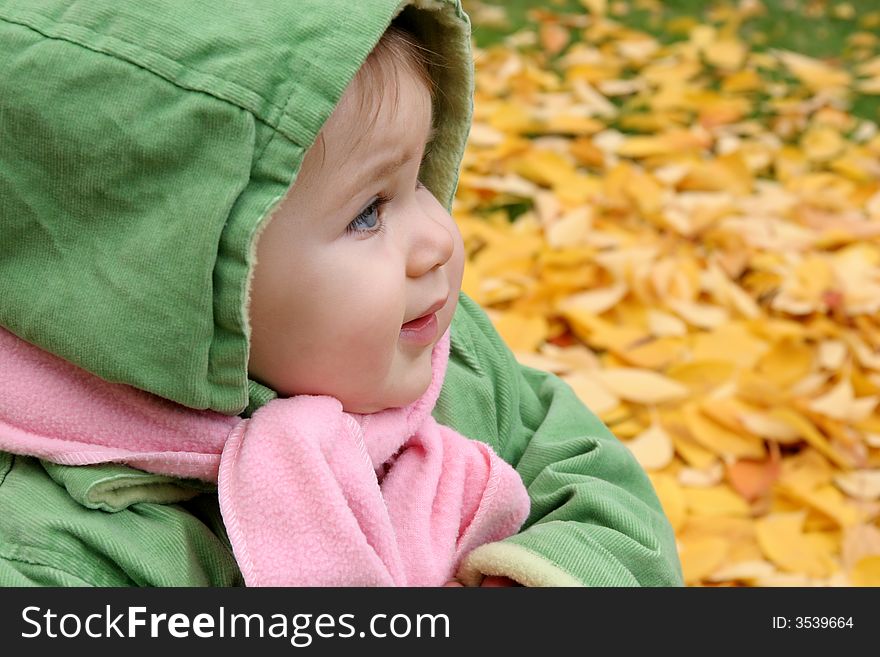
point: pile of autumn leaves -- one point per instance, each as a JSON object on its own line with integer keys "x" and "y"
{"x": 698, "y": 257}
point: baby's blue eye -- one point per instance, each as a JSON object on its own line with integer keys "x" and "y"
{"x": 369, "y": 220}
{"x": 368, "y": 217}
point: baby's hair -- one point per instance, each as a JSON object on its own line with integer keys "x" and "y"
{"x": 397, "y": 48}
{"x": 398, "y": 45}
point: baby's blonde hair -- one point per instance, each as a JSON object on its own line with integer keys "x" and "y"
{"x": 398, "y": 46}
{"x": 397, "y": 50}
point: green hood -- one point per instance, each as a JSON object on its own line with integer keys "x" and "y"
{"x": 142, "y": 145}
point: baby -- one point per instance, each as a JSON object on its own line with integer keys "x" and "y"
{"x": 257, "y": 356}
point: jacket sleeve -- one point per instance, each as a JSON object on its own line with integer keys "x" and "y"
{"x": 595, "y": 519}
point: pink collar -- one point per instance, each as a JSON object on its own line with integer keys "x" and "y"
{"x": 297, "y": 482}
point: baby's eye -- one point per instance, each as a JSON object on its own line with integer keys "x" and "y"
{"x": 369, "y": 220}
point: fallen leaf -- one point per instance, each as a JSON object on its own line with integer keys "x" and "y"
{"x": 815, "y": 74}
{"x": 641, "y": 386}
{"x": 754, "y": 479}
{"x": 840, "y": 403}
{"x": 671, "y": 498}
{"x": 782, "y": 539}
{"x": 700, "y": 557}
{"x": 592, "y": 393}
{"x": 521, "y": 333}
{"x": 860, "y": 484}
{"x": 652, "y": 448}
{"x": 695, "y": 478}
{"x": 866, "y": 572}
{"x": 715, "y": 500}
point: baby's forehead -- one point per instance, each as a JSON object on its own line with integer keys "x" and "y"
{"x": 375, "y": 101}
{"x": 398, "y": 115}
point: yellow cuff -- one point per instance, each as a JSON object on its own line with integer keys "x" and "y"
{"x": 513, "y": 561}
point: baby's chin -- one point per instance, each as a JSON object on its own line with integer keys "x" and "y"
{"x": 394, "y": 399}
{"x": 374, "y": 406}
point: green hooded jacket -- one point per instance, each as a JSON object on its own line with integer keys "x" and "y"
{"x": 142, "y": 144}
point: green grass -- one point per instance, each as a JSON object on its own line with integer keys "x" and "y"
{"x": 817, "y": 28}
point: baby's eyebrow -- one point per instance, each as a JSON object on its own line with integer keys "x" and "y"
{"x": 390, "y": 167}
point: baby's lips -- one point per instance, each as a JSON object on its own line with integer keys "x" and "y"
{"x": 433, "y": 308}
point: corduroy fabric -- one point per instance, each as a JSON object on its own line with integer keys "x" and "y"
{"x": 595, "y": 518}
{"x": 119, "y": 252}
{"x": 142, "y": 147}
{"x": 48, "y": 536}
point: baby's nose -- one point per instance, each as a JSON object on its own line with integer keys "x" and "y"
{"x": 433, "y": 242}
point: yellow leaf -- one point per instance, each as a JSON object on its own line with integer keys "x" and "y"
{"x": 787, "y": 362}
{"x": 594, "y": 302}
{"x": 570, "y": 124}
{"x": 816, "y": 75}
{"x": 756, "y": 389}
{"x": 539, "y": 362}
{"x": 700, "y": 315}
{"x": 521, "y": 333}
{"x": 859, "y": 541}
{"x": 543, "y": 167}
{"x": 512, "y": 118}
{"x": 554, "y": 37}
{"x": 715, "y": 500}
{"x": 764, "y": 426}
{"x": 599, "y": 333}
{"x": 671, "y": 498}
{"x": 832, "y": 354}
{"x": 744, "y": 571}
{"x": 654, "y": 354}
{"x": 703, "y": 375}
{"x": 725, "y": 53}
{"x": 825, "y": 499}
{"x": 663, "y": 324}
{"x": 692, "y": 452}
{"x": 730, "y": 294}
{"x": 594, "y": 395}
{"x": 781, "y": 537}
{"x": 866, "y": 572}
{"x": 652, "y": 448}
{"x": 700, "y": 557}
{"x": 733, "y": 343}
{"x": 695, "y": 478}
{"x": 735, "y": 530}
{"x": 840, "y": 403}
{"x": 570, "y": 229}
{"x": 576, "y": 357}
{"x": 587, "y": 153}
{"x": 595, "y": 7}
{"x": 665, "y": 144}
{"x": 861, "y": 484}
{"x": 742, "y": 81}
{"x": 754, "y": 479}
{"x": 822, "y": 143}
{"x": 719, "y": 440}
{"x": 812, "y": 435}
{"x": 642, "y": 386}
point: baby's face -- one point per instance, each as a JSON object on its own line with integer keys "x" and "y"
{"x": 357, "y": 249}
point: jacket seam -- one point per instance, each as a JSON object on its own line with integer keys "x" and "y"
{"x": 271, "y": 122}
{"x": 6, "y": 468}
{"x": 5, "y": 555}
{"x": 599, "y": 548}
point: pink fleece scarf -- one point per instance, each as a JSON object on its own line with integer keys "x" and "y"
{"x": 311, "y": 495}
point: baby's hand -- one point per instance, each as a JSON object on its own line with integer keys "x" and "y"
{"x": 453, "y": 583}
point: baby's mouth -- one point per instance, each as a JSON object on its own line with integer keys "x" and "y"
{"x": 418, "y": 323}
{"x": 425, "y": 317}
{"x": 422, "y": 331}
